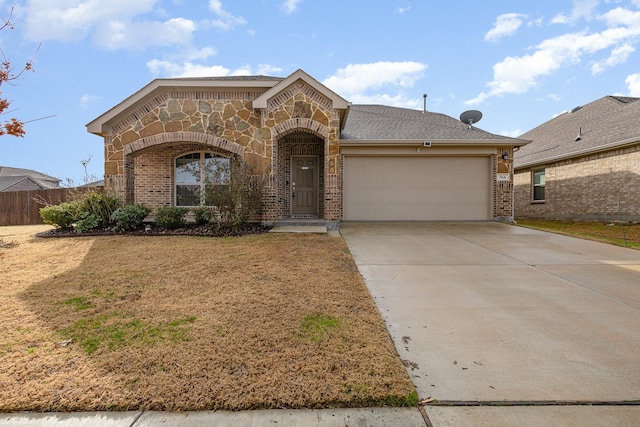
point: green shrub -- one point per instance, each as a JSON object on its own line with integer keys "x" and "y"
{"x": 203, "y": 215}
{"x": 171, "y": 217}
{"x": 87, "y": 221}
{"x": 100, "y": 204}
{"x": 129, "y": 217}
{"x": 62, "y": 215}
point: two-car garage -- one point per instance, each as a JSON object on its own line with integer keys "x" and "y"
{"x": 417, "y": 188}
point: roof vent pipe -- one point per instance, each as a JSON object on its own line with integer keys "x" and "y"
{"x": 579, "y": 137}
{"x": 425, "y": 103}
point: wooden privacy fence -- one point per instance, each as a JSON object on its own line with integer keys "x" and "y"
{"x": 23, "y": 207}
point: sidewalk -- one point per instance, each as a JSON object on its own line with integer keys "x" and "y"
{"x": 438, "y": 416}
{"x": 279, "y": 417}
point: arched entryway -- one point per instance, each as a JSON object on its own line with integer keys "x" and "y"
{"x": 150, "y": 165}
{"x": 301, "y": 175}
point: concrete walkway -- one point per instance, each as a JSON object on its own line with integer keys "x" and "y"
{"x": 488, "y": 314}
{"x": 268, "y": 418}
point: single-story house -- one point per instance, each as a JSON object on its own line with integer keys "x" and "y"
{"x": 582, "y": 164}
{"x": 326, "y": 158}
{"x": 17, "y": 179}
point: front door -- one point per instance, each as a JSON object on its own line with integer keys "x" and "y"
{"x": 304, "y": 185}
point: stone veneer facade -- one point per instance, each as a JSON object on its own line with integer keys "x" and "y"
{"x": 599, "y": 186}
{"x": 141, "y": 148}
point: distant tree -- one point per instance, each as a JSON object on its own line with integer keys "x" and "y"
{"x": 8, "y": 73}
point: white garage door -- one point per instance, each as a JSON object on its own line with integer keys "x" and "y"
{"x": 417, "y": 188}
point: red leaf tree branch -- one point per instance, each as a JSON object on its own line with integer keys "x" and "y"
{"x": 8, "y": 74}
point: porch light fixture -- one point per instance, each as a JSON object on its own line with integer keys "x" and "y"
{"x": 505, "y": 155}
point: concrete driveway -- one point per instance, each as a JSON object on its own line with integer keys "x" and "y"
{"x": 492, "y": 312}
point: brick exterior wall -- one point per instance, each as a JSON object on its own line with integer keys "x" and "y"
{"x": 503, "y": 190}
{"x": 142, "y": 145}
{"x": 298, "y": 145}
{"x": 142, "y": 148}
{"x": 601, "y": 186}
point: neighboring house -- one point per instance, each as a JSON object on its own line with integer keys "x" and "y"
{"x": 583, "y": 164}
{"x": 16, "y": 179}
{"x": 325, "y": 157}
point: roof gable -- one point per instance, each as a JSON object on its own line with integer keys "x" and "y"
{"x": 337, "y": 102}
{"x": 155, "y": 92}
{"x": 42, "y": 179}
{"x": 10, "y": 183}
{"x": 606, "y": 123}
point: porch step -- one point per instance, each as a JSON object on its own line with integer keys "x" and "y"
{"x": 318, "y": 229}
{"x": 298, "y": 225}
{"x": 300, "y": 222}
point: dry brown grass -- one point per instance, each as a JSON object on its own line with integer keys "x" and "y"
{"x": 187, "y": 323}
{"x": 618, "y": 234}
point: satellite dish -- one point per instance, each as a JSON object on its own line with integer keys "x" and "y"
{"x": 470, "y": 117}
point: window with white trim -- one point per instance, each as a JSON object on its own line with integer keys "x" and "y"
{"x": 194, "y": 171}
{"x": 538, "y": 181}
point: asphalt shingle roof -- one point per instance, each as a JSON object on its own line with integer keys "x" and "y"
{"x": 604, "y": 122}
{"x": 10, "y": 176}
{"x": 380, "y": 122}
{"x": 233, "y": 78}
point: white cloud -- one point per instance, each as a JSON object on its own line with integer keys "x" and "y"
{"x": 618, "y": 55}
{"x": 290, "y": 6}
{"x": 633, "y": 84}
{"x": 170, "y": 69}
{"x": 268, "y": 70}
{"x": 403, "y": 10}
{"x": 505, "y": 25}
{"x": 582, "y": 9}
{"x": 517, "y": 75}
{"x": 358, "y": 78}
{"x": 76, "y": 19}
{"x": 535, "y": 22}
{"x": 87, "y": 99}
{"x": 201, "y": 54}
{"x": 112, "y": 24}
{"x": 226, "y": 20}
{"x": 560, "y": 18}
{"x": 512, "y": 133}
{"x": 140, "y": 35}
{"x": 378, "y": 83}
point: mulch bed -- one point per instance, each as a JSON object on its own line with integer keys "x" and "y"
{"x": 208, "y": 230}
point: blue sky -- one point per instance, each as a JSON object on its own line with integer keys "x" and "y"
{"x": 519, "y": 62}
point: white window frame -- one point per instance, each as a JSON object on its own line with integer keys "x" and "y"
{"x": 538, "y": 172}
{"x": 199, "y": 180}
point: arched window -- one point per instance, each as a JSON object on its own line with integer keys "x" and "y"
{"x": 194, "y": 171}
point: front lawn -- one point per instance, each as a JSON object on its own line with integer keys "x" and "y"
{"x": 190, "y": 323}
{"x": 614, "y": 233}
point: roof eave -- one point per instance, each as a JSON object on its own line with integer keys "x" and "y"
{"x": 510, "y": 142}
{"x": 578, "y": 153}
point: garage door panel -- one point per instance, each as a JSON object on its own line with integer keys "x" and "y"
{"x": 417, "y": 188}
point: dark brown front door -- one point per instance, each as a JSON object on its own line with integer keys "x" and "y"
{"x": 304, "y": 185}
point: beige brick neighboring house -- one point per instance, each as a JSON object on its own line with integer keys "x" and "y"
{"x": 18, "y": 179}
{"x": 582, "y": 164}
{"x": 326, "y": 158}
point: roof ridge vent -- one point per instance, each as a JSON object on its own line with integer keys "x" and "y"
{"x": 575, "y": 109}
